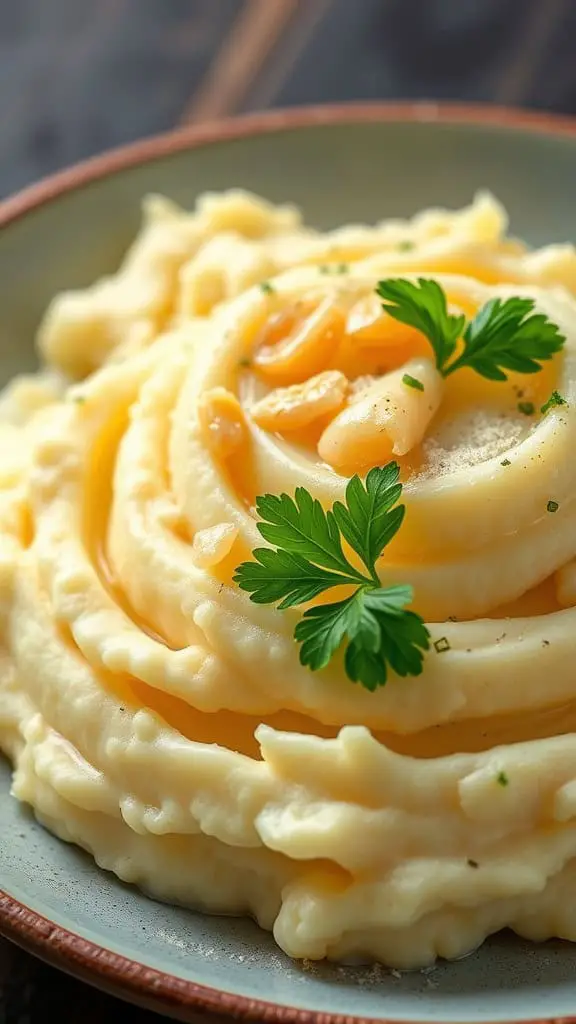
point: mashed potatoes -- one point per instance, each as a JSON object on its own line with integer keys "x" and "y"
{"x": 161, "y": 720}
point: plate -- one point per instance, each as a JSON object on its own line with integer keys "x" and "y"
{"x": 354, "y": 163}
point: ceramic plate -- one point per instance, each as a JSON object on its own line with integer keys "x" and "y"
{"x": 341, "y": 165}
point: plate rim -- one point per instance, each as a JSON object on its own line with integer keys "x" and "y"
{"x": 155, "y": 147}
{"x": 64, "y": 949}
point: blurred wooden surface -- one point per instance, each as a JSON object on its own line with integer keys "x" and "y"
{"x": 77, "y": 78}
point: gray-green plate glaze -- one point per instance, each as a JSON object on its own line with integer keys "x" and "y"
{"x": 340, "y": 165}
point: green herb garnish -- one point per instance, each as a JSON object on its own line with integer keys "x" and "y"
{"x": 527, "y": 408}
{"x": 502, "y": 779}
{"x": 554, "y": 400}
{"x": 405, "y": 246}
{"x": 307, "y": 559}
{"x": 552, "y": 506}
{"x": 412, "y": 382}
{"x": 338, "y": 268}
{"x": 506, "y": 462}
{"x": 267, "y": 288}
{"x": 441, "y": 645}
{"x": 504, "y": 334}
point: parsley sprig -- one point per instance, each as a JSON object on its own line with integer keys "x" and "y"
{"x": 307, "y": 558}
{"x": 504, "y": 334}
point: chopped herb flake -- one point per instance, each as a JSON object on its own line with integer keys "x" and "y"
{"x": 502, "y": 779}
{"x": 527, "y": 408}
{"x": 506, "y": 462}
{"x": 267, "y": 288}
{"x": 412, "y": 382}
{"x": 554, "y": 400}
{"x": 441, "y": 645}
{"x": 473, "y": 863}
{"x": 405, "y": 246}
{"x": 552, "y": 506}
{"x": 339, "y": 268}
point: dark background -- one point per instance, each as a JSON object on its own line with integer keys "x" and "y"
{"x": 81, "y": 76}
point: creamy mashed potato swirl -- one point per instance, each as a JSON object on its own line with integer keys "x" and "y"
{"x": 163, "y": 721}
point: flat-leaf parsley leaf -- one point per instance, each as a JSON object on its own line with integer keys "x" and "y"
{"x": 308, "y": 558}
{"x": 505, "y": 334}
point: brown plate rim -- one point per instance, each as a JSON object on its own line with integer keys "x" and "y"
{"x": 155, "y": 147}
{"x": 112, "y": 972}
